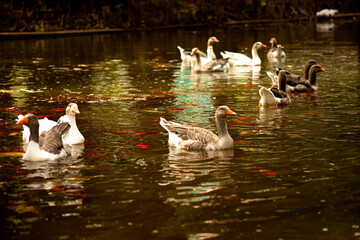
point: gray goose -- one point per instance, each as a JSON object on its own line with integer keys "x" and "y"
{"x": 218, "y": 65}
{"x": 276, "y": 51}
{"x": 47, "y": 146}
{"x": 196, "y": 138}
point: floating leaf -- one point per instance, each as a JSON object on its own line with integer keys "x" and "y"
{"x": 295, "y": 136}
{"x": 243, "y": 118}
{"x": 20, "y": 208}
{"x": 55, "y": 87}
{"x": 56, "y": 189}
{"x": 250, "y": 85}
{"x": 95, "y": 155}
{"x": 11, "y": 109}
{"x": 14, "y": 133}
{"x": 118, "y": 131}
{"x": 265, "y": 171}
{"x": 249, "y": 131}
{"x": 239, "y": 141}
{"x": 57, "y": 110}
{"x": 144, "y": 133}
{"x": 174, "y": 109}
{"x": 142, "y": 145}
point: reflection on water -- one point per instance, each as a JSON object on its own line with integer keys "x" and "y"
{"x": 190, "y": 166}
{"x": 293, "y": 173}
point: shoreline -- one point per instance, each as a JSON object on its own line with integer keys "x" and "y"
{"x": 5, "y": 35}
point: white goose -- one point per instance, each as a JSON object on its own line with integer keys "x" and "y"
{"x": 239, "y": 59}
{"x": 47, "y": 146}
{"x": 74, "y": 136}
{"x": 186, "y": 57}
{"x": 192, "y": 138}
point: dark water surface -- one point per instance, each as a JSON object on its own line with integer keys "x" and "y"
{"x": 294, "y": 172}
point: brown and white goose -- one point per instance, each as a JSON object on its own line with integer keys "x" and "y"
{"x": 275, "y": 52}
{"x": 195, "y": 138}
{"x": 218, "y": 65}
{"x": 73, "y": 136}
{"x": 275, "y": 96}
{"x": 186, "y": 57}
{"x": 47, "y": 146}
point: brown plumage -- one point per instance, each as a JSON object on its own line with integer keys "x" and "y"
{"x": 310, "y": 85}
{"x": 292, "y": 79}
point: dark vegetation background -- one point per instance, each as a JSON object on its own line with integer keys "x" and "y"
{"x": 50, "y": 15}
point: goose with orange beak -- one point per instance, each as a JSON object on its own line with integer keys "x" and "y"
{"x": 48, "y": 145}
{"x": 292, "y": 80}
{"x": 74, "y": 136}
{"x": 196, "y": 138}
{"x": 275, "y": 96}
{"x": 239, "y": 59}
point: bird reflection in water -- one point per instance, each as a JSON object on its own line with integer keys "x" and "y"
{"x": 198, "y": 174}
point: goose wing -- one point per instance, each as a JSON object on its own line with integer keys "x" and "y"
{"x": 52, "y": 140}
{"x": 216, "y": 65}
{"x": 194, "y": 137}
{"x": 182, "y": 136}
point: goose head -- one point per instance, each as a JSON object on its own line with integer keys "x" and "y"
{"x": 258, "y": 45}
{"x": 212, "y": 40}
{"x": 222, "y": 111}
{"x": 195, "y": 52}
{"x": 72, "y": 109}
{"x": 273, "y": 42}
{"x": 316, "y": 68}
{"x": 29, "y": 120}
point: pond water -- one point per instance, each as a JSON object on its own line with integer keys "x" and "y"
{"x": 294, "y": 172}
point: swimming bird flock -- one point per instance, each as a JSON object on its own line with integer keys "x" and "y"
{"x": 45, "y": 139}
{"x": 283, "y": 83}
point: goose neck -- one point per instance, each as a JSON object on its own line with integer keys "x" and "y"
{"x": 312, "y": 76}
{"x": 34, "y": 132}
{"x": 254, "y": 53}
{"x": 221, "y": 126}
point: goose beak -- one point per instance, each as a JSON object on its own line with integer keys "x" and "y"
{"x": 230, "y": 112}
{"x": 321, "y": 69}
{"x": 274, "y": 86}
{"x": 318, "y": 64}
{"x": 76, "y": 110}
{"x": 263, "y": 45}
{"x": 23, "y": 121}
{"x": 216, "y": 40}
